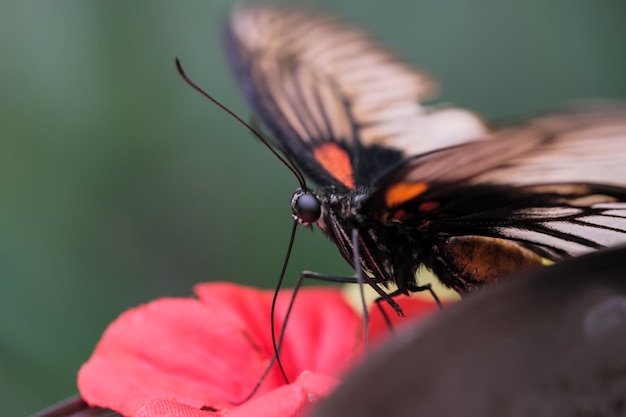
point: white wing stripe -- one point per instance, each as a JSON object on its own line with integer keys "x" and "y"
{"x": 618, "y": 206}
{"x": 601, "y": 236}
{"x": 618, "y": 224}
{"x": 542, "y": 239}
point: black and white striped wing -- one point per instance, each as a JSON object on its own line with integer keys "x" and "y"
{"x": 338, "y": 103}
{"x": 556, "y": 184}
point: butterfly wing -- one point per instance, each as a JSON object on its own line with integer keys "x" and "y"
{"x": 338, "y": 103}
{"x": 554, "y": 187}
{"x": 347, "y": 112}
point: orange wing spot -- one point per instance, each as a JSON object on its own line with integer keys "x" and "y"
{"x": 428, "y": 206}
{"x": 403, "y": 192}
{"x": 336, "y": 161}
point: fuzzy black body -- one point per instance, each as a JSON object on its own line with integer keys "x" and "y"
{"x": 390, "y": 252}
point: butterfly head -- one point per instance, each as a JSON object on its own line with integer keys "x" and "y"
{"x": 306, "y": 207}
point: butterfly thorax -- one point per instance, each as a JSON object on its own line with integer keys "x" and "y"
{"x": 386, "y": 250}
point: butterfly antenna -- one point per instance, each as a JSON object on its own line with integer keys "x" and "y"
{"x": 255, "y": 124}
{"x": 279, "y": 283}
{"x": 286, "y": 162}
{"x": 277, "y": 343}
{"x": 291, "y": 166}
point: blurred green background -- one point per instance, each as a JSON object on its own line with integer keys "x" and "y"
{"x": 119, "y": 184}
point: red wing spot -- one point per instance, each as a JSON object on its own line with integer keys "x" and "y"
{"x": 400, "y": 214}
{"x": 428, "y": 206}
{"x": 336, "y": 162}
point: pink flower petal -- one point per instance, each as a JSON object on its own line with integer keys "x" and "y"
{"x": 323, "y": 332}
{"x": 211, "y": 352}
{"x": 289, "y": 400}
{"x": 170, "y": 408}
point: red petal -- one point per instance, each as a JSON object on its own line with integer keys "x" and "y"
{"x": 170, "y": 408}
{"x": 287, "y": 401}
{"x": 211, "y": 352}
{"x": 323, "y": 332}
{"x": 170, "y": 348}
{"x": 290, "y": 400}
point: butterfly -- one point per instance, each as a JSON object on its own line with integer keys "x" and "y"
{"x": 400, "y": 184}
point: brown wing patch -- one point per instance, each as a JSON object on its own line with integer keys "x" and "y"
{"x": 485, "y": 260}
{"x": 336, "y": 162}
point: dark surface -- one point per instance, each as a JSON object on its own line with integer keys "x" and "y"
{"x": 547, "y": 343}
{"x": 75, "y": 407}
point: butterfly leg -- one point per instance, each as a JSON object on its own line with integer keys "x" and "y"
{"x": 429, "y": 288}
{"x": 383, "y": 296}
{"x": 387, "y": 297}
{"x": 338, "y": 279}
{"x": 412, "y": 288}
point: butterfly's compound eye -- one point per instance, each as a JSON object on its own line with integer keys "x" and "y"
{"x": 306, "y": 207}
